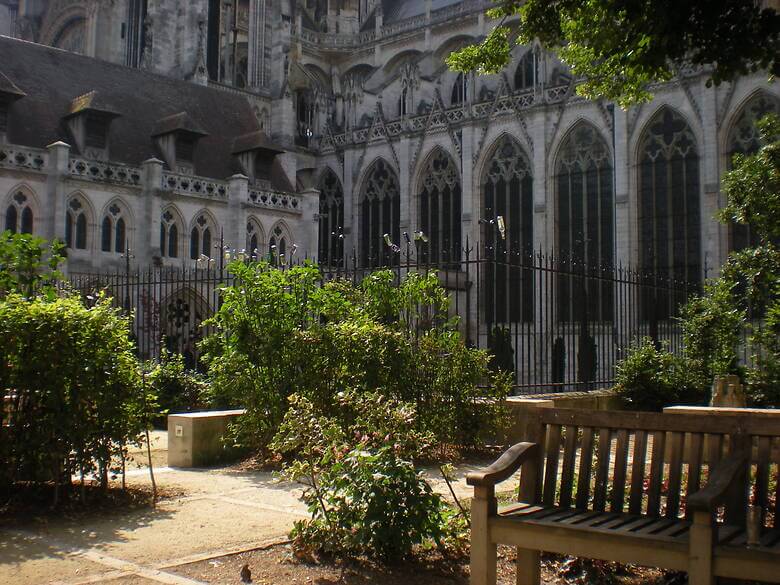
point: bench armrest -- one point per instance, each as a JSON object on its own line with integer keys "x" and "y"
{"x": 504, "y": 466}
{"x": 721, "y": 479}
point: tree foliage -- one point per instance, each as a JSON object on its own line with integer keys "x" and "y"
{"x": 620, "y": 47}
{"x": 281, "y": 332}
{"x": 27, "y": 264}
{"x": 74, "y": 395}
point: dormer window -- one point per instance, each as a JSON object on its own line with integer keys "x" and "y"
{"x": 256, "y": 154}
{"x": 89, "y": 122}
{"x": 177, "y": 137}
{"x": 3, "y": 117}
{"x": 9, "y": 93}
{"x": 185, "y": 148}
{"x": 95, "y": 131}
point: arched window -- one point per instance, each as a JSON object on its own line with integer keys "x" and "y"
{"x": 460, "y": 90}
{"x": 440, "y": 210}
{"x": 76, "y": 225}
{"x": 113, "y": 231}
{"x": 527, "y": 71}
{"x": 19, "y": 214}
{"x": 507, "y": 191}
{"x": 403, "y": 102}
{"x": 669, "y": 215}
{"x": 584, "y": 221}
{"x": 105, "y": 234}
{"x": 380, "y": 210}
{"x": 200, "y": 238}
{"x": 280, "y": 247}
{"x": 254, "y": 239}
{"x": 744, "y": 138}
{"x": 331, "y": 248}
{"x": 169, "y": 236}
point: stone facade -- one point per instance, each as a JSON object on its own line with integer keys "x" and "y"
{"x": 343, "y": 86}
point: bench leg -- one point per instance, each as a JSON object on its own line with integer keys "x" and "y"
{"x": 528, "y": 567}
{"x": 483, "y": 551}
{"x": 700, "y": 551}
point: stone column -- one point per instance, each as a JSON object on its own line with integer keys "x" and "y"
{"x": 351, "y": 196}
{"x": 148, "y": 232}
{"x": 238, "y": 193}
{"x": 408, "y": 216}
{"x": 53, "y": 207}
{"x": 308, "y": 234}
{"x": 257, "y": 43}
{"x": 712, "y": 254}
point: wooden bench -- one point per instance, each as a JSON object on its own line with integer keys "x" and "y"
{"x": 664, "y": 490}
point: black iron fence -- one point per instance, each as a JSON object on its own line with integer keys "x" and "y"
{"x": 558, "y": 324}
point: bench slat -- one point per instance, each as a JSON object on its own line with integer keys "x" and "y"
{"x": 777, "y": 492}
{"x": 602, "y": 471}
{"x": 694, "y": 465}
{"x": 621, "y": 464}
{"x": 586, "y": 463}
{"x": 762, "y": 475}
{"x": 652, "y": 421}
{"x": 551, "y": 464}
{"x": 569, "y": 458}
{"x": 714, "y": 449}
{"x": 676, "y": 443}
{"x": 656, "y": 474}
{"x": 638, "y": 473}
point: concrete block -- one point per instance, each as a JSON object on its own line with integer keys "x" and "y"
{"x": 195, "y": 439}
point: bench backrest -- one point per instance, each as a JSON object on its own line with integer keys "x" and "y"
{"x": 648, "y": 463}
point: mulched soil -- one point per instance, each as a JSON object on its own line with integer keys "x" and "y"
{"x": 278, "y": 565}
{"x": 33, "y": 502}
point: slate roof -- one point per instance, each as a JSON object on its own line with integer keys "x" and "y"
{"x": 395, "y": 10}
{"x": 52, "y": 79}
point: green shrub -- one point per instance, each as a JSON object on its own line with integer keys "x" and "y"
{"x": 363, "y": 492}
{"x": 649, "y": 378}
{"x": 177, "y": 388}
{"x": 28, "y": 266}
{"x": 280, "y": 332}
{"x": 76, "y": 395}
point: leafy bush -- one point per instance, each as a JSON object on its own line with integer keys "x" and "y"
{"x": 75, "y": 395}
{"x": 363, "y": 491}
{"x": 281, "y": 332}
{"x": 649, "y": 378}
{"x": 177, "y": 388}
{"x": 27, "y": 265}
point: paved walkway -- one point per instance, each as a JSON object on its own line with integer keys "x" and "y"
{"x": 220, "y": 511}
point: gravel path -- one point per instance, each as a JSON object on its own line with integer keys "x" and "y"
{"x": 220, "y": 511}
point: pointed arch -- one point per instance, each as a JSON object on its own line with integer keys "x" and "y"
{"x": 506, "y": 217}
{"x": 380, "y": 210}
{"x": 331, "y": 222}
{"x": 527, "y": 71}
{"x": 255, "y": 238}
{"x": 460, "y": 90}
{"x": 20, "y": 210}
{"x": 743, "y": 137}
{"x": 78, "y": 221}
{"x": 116, "y": 226}
{"x": 669, "y": 216}
{"x": 202, "y": 234}
{"x": 584, "y": 220}
{"x": 281, "y": 246}
{"x": 439, "y": 194}
{"x": 171, "y": 232}
{"x": 181, "y": 315}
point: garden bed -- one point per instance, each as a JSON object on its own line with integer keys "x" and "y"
{"x": 278, "y": 564}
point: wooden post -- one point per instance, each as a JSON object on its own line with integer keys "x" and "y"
{"x": 483, "y": 550}
{"x": 528, "y": 567}
{"x": 700, "y": 551}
